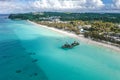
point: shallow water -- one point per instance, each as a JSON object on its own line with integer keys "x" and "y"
{"x": 29, "y": 52}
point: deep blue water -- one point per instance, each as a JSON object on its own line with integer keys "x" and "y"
{"x": 30, "y": 52}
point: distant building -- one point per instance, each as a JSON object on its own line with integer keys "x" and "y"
{"x": 87, "y": 26}
{"x": 114, "y": 36}
{"x": 119, "y": 26}
{"x": 118, "y": 35}
{"x": 81, "y": 30}
{"x": 56, "y": 20}
{"x": 52, "y": 18}
{"x": 80, "y": 27}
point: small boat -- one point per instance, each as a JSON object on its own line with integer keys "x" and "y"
{"x": 69, "y": 46}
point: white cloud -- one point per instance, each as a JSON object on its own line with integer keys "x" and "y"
{"x": 17, "y": 6}
{"x": 68, "y": 4}
{"x": 9, "y": 7}
{"x": 116, "y": 4}
{"x": 12, "y": 6}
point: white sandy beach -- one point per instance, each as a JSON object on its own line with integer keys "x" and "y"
{"x": 80, "y": 37}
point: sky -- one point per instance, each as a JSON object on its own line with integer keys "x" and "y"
{"x": 24, "y": 6}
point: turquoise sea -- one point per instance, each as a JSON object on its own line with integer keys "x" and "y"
{"x": 30, "y": 52}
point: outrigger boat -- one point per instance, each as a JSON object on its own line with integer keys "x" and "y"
{"x": 69, "y": 46}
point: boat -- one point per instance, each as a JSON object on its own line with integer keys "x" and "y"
{"x": 69, "y": 46}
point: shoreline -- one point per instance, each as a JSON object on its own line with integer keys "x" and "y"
{"x": 79, "y": 37}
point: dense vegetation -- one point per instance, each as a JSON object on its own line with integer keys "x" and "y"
{"x": 104, "y": 31}
{"x": 106, "y": 17}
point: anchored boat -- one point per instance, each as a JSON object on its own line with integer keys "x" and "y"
{"x": 69, "y": 46}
